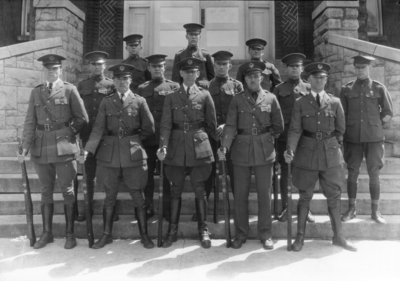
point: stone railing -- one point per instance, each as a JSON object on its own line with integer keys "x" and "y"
{"x": 20, "y": 72}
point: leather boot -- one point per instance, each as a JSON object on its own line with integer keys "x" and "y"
{"x": 376, "y": 215}
{"x": 204, "y": 235}
{"x": 106, "y": 238}
{"x": 338, "y": 239}
{"x": 142, "y": 224}
{"x": 47, "y": 218}
{"x": 149, "y": 210}
{"x": 301, "y": 228}
{"x": 350, "y": 214}
{"x": 69, "y": 212}
{"x": 172, "y": 235}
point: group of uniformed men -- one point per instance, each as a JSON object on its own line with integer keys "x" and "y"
{"x": 139, "y": 116}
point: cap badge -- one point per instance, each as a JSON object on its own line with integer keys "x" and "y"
{"x": 51, "y": 58}
{"x": 190, "y": 62}
{"x": 121, "y": 68}
{"x": 251, "y": 65}
{"x": 320, "y": 66}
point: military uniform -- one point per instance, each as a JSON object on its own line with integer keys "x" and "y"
{"x": 249, "y": 135}
{"x": 140, "y": 74}
{"x": 154, "y": 92}
{"x": 287, "y": 93}
{"x": 53, "y": 118}
{"x": 315, "y": 134}
{"x": 186, "y": 124}
{"x": 365, "y": 103}
{"x": 121, "y": 152}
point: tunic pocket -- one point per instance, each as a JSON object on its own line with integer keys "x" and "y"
{"x": 106, "y": 150}
{"x": 202, "y": 145}
{"x": 268, "y": 146}
{"x": 303, "y": 156}
{"x": 137, "y": 152}
{"x": 172, "y": 145}
{"x": 333, "y": 153}
{"x": 240, "y": 148}
{"x": 66, "y": 142}
{"x": 36, "y": 149}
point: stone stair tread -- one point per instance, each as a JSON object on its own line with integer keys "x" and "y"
{"x": 360, "y": 228}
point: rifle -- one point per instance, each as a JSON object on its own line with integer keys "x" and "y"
{"x": 227, "y": 213}
{"x": 289, "y": 208}
{"x": 28, "y": 198}
{"x": 216, "y": 192}
{"x": 160, "y": 205}
{"x": 276, "y": 183}
{"x": 88, "y": 203}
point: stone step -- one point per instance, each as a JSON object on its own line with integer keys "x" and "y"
{"x": 12, "y": 183}
{"x": 126, "y": 228}
{"x": 13, "y": 204}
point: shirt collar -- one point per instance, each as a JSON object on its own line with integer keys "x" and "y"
{"x": 321, "y": 94}
{"x": 54, "y": 83}
{"x": 125, "y": 94}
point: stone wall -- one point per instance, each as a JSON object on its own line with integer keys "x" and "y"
{"x": 20, "y": 72}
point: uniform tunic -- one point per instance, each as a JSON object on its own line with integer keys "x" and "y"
{"x": 154, "y": 92}
{"x": 222, "y": 90}
{"x": 317, "y": 159}
{"x": 141, "y": 74}
{"x": 121, "y": 154}
{"x": 188, "y": 148}
{"x": 252, "y": 152}
{"x": 271, "y": 76}
{"x": 206, "y": 69}
{"x": 365, "y": 103}
{"x": 287, "y": 93}
{"x": 51, "y": 149}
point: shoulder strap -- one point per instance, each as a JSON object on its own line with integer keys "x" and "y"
{"x": 46, "y": 109}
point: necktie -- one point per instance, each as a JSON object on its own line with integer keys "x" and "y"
{"x": 50, "y": 86}
{"x": 122, "y": 98}
{"x": 188, "y": 91}
{"x": 254, "y": 95}
{"x": 318, "y": 100}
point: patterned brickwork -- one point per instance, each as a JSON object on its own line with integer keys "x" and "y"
{"x": 290, "y": 27}
{"x": 108, "y": 26}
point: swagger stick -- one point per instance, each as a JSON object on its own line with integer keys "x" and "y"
{"x": 160, "y": 204}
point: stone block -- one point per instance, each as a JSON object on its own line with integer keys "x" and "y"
{"x": 61, "y": 52}
{"x": 378, "y": 74}
{"x": 330, "y": 24}
{"x": 333, "y": 13}
{"x": 62, "y": 14}
{"x": 51, "y": 25}
{"x": 25, "y": 64}
{"x": 41, "y": 53}
{"x": 349, "y": 53}
{"x": 11, "y": 113}
{"x": 392, "y": 83}
{"x": 340, "y": 53}
{"x": 351, "y": 13}
{"x": 350, "y": 24}
{"x": 22, "y": 77}
{"x": 330, "y": 59}
{"x": 346, "y": 80}
{"x": 22, "y": 109}
{"x": 4, "y": 52}
{"x": 23, "y": 94}
{"x": 43, "y": 34}
{"x": 2, "y": 119}
{"x": 348, "y": 70}
{"x": 1, "y": 66}
{"x": 14, "y": 121}
{"x": 2, "y": 79}
{"x": 391, "y": 68}
{"x": 10, "y": 62}
{"x": 8, "y": 135}
{"x": 8, "y": 98}
{"x": 45, "y": 14}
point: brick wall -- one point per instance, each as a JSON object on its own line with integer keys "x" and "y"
{"x": 20, "y": 72}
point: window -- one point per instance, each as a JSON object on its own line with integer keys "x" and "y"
{"x": 374, "y": 23}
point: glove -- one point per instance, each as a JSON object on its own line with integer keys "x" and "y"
{"x": 221, "y": 153}
{"x": 219, "y": 131}
{"x": 161, "y": 153}
{"x": 288, "y": 154}
{"x": 21, "y": 157}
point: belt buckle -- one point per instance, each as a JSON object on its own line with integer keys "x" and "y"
{"x": 120, "y": 133}
{"x": 47, "y": 127}
{"x": 186, "y": 126}
{"x": 254, "y": 131}
{"x": 318, "y": 136}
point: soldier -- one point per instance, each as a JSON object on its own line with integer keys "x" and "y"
{"x": 270, "y": 73}
{"x": 188, "y": 116}
{"x": 92, "y": 90}
{"x": 368, "y": 109}
{"x": 125, "y": 118}
{"x": 254, "y": 120}
{"x": 286, "y": 93}
{"x": 55, "y": 115}
{"x": 222, "y": 89}
{"x": 154, "y": 92}
{"x": 314, "y": 141}
{"x": 140, "y": 74}
{"x": 193, "y": 31}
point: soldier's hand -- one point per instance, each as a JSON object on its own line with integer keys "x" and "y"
{"x": 288, "y": 154}
{"x": 21, "y": 157}
{"x": 219, "y": 131}
{"x": 385, "y": 121}
{"x": 81, "y": 157}
{"x": 161, "y": 153}
{"x": 221, "y": 153}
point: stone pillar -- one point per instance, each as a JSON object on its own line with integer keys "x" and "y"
{"x": 61, "y": 18}
{"x": 339, "y": 17}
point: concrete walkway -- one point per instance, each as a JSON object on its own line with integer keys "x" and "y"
{"x": 186, "y": 260}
